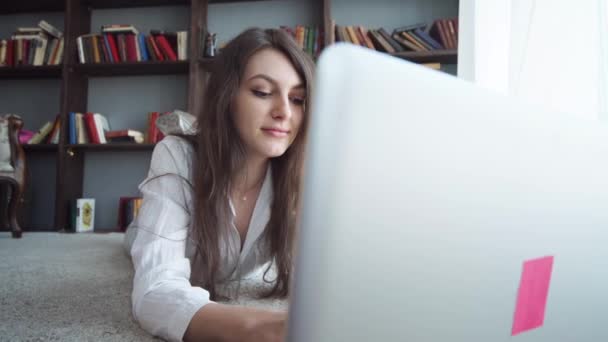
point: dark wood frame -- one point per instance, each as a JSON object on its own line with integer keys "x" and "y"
{"x": 74, "y": 77}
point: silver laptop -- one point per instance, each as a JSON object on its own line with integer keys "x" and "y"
{"x": 438, "y": 211}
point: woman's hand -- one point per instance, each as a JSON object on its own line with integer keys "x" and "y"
{"x": 265, "y": 326}
{"x": 220, "y": 322}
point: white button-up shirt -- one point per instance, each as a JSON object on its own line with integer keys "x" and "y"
{"x": 161, "y": 247}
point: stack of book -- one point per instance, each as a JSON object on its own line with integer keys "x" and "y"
{"x": 440, "y": 35}
{"x": 41, "y": 45}
{"x": 94, "y": 128}
{"x": 87, "y": 128}
{"x": 124, "y": 43}
{"x": 49, "y": 133}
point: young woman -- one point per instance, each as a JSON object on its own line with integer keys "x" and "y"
{"x": 222, "y": 203}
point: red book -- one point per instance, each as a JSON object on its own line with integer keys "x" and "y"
{"x": 102, "y": 47}
{"x": 113, "y": 47}
{"x": 159, "y": 135}
{"x": 164, "y": 45}
{"x": 131, "y": 47}
{"x": 152, "y": 129}
{"x": 10, "y": 54}
{"x": 122, "y": 47}
{"x": 156, "y": 52}
{"x": 25, "y": 51}
{"x": 91, "y": 128}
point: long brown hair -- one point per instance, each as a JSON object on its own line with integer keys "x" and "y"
{"x": 220, "y": 152}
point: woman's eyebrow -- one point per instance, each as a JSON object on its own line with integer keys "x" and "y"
{"x": 273, "y": 81}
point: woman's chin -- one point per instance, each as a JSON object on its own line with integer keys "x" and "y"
{"x": 274, "y": 151}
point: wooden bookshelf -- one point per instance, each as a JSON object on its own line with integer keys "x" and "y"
{"x": 30, "y": 72}
{"x": 206, "y": 63}
{"x": 74, "y": 77}
{"x": 104, "y": 4}
{"x": 434, "y": 56}
{"x": 40, "y": 148}
{"x": 133, "y": 69}
{"x": 24, "y": 6}
{"x": 111, "y": 147}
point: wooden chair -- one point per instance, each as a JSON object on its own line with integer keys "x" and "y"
{"x": 14, "y": 180}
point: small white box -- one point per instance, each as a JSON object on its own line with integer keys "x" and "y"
{"x": 85, "y": 214}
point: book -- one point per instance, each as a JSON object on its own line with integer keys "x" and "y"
{"x": 435, "y": 66}
{"x": 182, "y": 45}
{"x": 53, "y": 137}
{"x": 25, "y": 136}
{"x": 102, "y": 125}
{"x": 125, "y": 135}
{"x": 41, "y": 134}
{"x": 428, "y": 39}
{"x": 81, "y": 133}
{"x": 438, "y": 32}
{"x": 50, "y": 29}
{"x": 57, "y": 55}
{"x": 408, "y": 28}
{"x": 3, "y": 50}
{"x": 119, "y": 28}
{"x": 85, "y": 215}
{"x": 128, "y": 208}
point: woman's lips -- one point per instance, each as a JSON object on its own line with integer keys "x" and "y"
{"x": 276, "y": 132}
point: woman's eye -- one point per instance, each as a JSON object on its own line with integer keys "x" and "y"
{"x": 298, "y": 101}
{"x": 260, "y": 93}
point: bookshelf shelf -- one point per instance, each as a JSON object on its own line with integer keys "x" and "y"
{"x": 30, "y": 72}
{"x": 100, "y": 4}
{"x": 435, "y": 56}
{"x": 12, "y": 7}
{"x": 112, "y": 147}
{"x": 132, "y": 69}
{"x": 40, "y": 148}
{"x": 206, "y": 63}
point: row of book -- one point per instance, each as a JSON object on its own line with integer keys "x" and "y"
{"x": 310, "y": 39}
{"x": 124, "y": 43}
{"x": 92, "y": 128}
{"x": 41, "y": 45}
{"x": 47, "y": 134}
{"x": 440, "y": 35}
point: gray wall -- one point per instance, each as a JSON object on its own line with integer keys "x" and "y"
{"x": 227, "y": 20}
{"x": 127, "y": 100}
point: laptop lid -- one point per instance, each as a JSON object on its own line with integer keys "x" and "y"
{"x": 438, "y": 211}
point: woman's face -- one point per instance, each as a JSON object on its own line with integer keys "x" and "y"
{"x": 269, "y": 105}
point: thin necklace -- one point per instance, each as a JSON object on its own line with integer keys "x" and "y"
{"x": 243, "y": 196}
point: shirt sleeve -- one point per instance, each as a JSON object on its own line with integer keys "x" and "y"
{"x": 163, "y": 300}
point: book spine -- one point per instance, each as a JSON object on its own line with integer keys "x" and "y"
{"x": 143, "y": 47}
{"x": 113, "y": 47}
{"x": 164, "y": 45}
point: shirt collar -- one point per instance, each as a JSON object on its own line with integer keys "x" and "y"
{"x": 260, "y": 215}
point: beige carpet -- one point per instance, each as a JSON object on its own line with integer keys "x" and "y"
{"x": 76, "y": 287}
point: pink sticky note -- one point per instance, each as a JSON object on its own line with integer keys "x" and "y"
{"x": 532, "y": 295}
